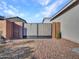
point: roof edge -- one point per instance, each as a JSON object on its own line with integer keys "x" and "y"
{"x": 72, "y": 4}
{"x": 17, "y": 17}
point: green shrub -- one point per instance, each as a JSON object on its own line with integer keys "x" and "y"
{"x": 59, "y": 35}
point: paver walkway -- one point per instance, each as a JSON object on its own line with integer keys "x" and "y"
{"x": 48, "y": 49}
{"x": 56, "y": 49}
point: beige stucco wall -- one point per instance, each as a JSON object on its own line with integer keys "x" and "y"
{"x": 70, "y": 24}
{"x": 3, "y": 28}
{"x": 6, "y": 29}
{"x": 11, "y": 29}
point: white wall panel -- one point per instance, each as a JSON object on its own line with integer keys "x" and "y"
{"x": 44, "y": 29}
{"x": 37, "y": 29}
{"x": 31, "y": 29}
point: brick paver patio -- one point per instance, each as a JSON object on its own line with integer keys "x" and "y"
{"x": 49, "y": 48}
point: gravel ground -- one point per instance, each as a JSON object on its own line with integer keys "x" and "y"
{"x": 49, "y": 49}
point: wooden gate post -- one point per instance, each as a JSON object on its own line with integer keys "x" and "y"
{"x": 56, "y": 28}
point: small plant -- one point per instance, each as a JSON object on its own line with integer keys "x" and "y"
{"x": 58, "y": 35}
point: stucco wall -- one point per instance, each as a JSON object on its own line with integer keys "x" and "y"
{"x": 9, "y": 30}
{"x": 70, "y": 24}
{"x": 3, "y": 28}
{"x": 18, "y": 29}
{"x": 6, "y": 29}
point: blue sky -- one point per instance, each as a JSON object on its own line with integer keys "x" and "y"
{"x": 33, "y": 11}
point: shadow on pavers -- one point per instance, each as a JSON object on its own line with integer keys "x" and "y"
{"x": 27, "y": 52}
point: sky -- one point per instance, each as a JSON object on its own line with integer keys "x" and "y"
{"x": 33, "y": 11}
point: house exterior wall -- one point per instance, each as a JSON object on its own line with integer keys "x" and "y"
{"x": 9, "y": 30}
{"x": 18, "y": 30}
{"x": 3, "y": 28}
{"x": 6, "y": 29}
{"x": 70, "y": 24}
